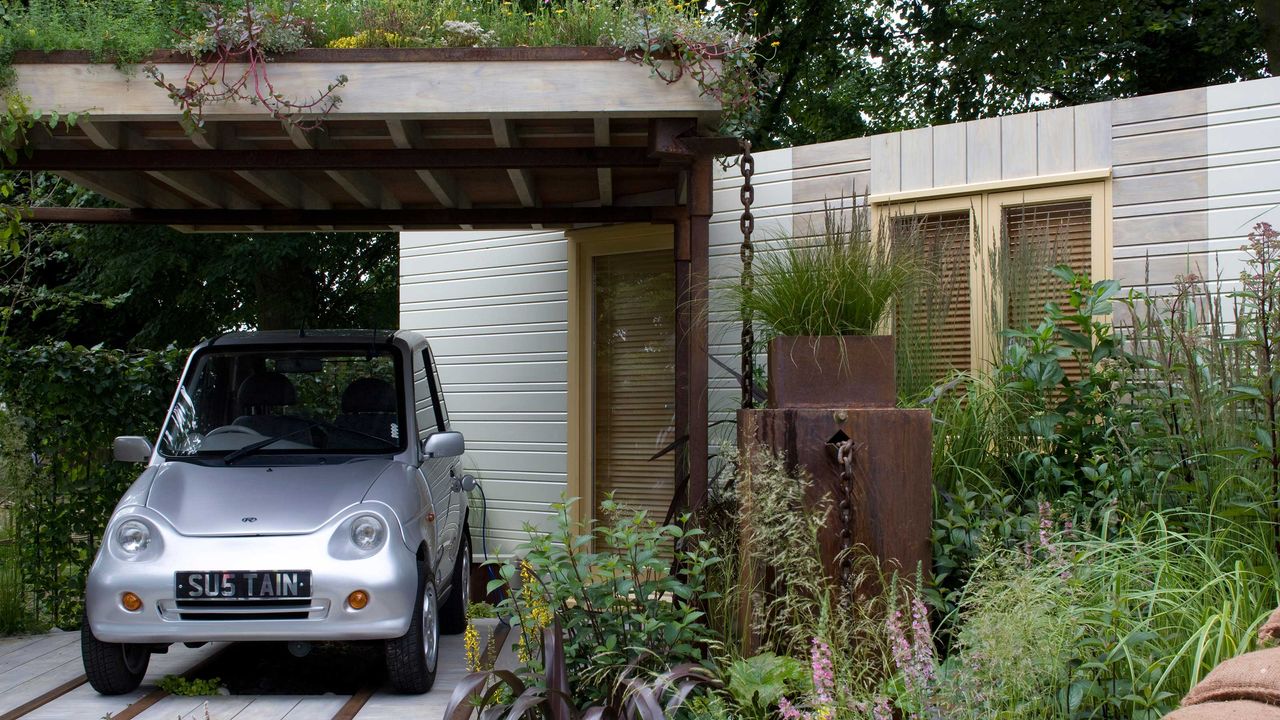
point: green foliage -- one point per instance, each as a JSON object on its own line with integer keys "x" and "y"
{"x": 757, "y": 683}
{"x": 70, "y": 402}
{"x": 179, "y": 685}
{"x": 1075, "y": 425}
{"x": 839, "y": 284}
{"x": 858, "y": 67}
{"x": 120, "y": 31}
{"x": 1112, "y": 623}
{"x": 622, "y": 612}
{"x": 481, "y": 611}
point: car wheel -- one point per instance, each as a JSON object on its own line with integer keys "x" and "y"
{"x": 112, "y": 668}
{"x": 453, "y": 614}
{"x": 412, "y": 657}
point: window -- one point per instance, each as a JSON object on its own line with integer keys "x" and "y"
{"x": 989, "y": 253}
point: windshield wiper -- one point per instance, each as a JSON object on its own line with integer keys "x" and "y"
{"x": 254, "y": 447}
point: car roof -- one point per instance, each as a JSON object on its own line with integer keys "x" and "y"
{"x": 315, "y": 337}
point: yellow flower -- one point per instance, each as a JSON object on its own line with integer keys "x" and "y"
{"x": 775, "y": 43}
{"x": 472, "y": 641}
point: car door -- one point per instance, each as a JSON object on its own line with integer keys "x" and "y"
{"x": 433, "y": 472}
{"x": 457, "y": 498}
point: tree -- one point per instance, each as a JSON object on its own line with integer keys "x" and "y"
{"x": 149, "y": 286}
{"x": 856, "y": 67}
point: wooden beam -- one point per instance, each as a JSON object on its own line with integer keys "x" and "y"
{"x": 359, "y": 218}
{"x": 390, "y": 88}
{"x": 504, "y": 136}
{"x": 604, "y": 176}
{"x": 361, "y": 186}
{"x": 336, "y": 159}
{"x": 407, "y": 135}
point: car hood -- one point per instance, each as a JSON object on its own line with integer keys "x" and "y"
{"x": 281, "y": 500}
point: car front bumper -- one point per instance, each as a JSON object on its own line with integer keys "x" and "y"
{"x": 389, "y": 576}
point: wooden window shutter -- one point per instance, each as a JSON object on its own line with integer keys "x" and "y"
{"x": 634, "y": 389}
{"x": 933, "y": 322}
{"x": 1040, "y": 236}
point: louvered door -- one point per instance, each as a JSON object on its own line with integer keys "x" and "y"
{"x": 633, "y": 397}
{"x": 934, "y": 318}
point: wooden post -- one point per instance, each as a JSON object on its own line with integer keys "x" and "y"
{"x": 700, "y": 207}
{"x": 683, "y": 359}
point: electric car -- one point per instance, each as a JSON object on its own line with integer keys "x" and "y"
{"x": 305, "y": 486}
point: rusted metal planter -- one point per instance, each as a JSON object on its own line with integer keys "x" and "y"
{"x": 832, "y": 371}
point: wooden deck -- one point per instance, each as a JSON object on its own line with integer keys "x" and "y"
{"x": 31, "y": 666}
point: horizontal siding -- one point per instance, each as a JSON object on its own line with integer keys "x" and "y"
{"x": 1192, "y": 171}
{"x": 493, "y": 306}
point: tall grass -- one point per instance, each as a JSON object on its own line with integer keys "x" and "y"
{"x": 838, "y": 283}
{"x": 1139, "y": 614}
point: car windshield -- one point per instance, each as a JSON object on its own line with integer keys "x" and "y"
{"x": 233, "y": 403}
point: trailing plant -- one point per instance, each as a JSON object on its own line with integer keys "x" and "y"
{"x": 839, "y": 283}
{"x": 723, "y": 61}
{"x": 623, "y": 613}
{"x": 244, "y": 35}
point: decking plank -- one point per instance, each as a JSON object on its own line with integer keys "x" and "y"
{"x": 85, "y": 702}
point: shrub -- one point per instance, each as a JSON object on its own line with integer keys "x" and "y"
{"x": 624, "y": 614}
{"x": 70, "y": 402}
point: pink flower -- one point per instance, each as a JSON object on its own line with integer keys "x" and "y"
{"x": 789, "y": 711}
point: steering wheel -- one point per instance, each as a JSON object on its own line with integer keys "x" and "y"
{"x": 232, "y": 430}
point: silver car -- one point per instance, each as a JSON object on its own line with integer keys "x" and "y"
{"x": 305, "y": 486}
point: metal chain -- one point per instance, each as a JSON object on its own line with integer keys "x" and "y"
{"x": 747, "y": 252}
{"x": 846, "y": 453}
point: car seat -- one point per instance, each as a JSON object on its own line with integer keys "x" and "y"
{"x": 262, "y": 396}
{"x": 369, "y": 407}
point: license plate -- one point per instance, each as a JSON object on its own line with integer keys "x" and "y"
{"x": 243, "y": 584}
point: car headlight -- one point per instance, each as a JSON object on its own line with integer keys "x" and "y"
{"x": 133, "y": 536}
{"x": 368, "y": 532}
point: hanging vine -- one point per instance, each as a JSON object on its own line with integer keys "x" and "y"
{"x": 231, "y": 54}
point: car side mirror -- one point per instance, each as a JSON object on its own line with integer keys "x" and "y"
{"x": 443, "y": 444}
{"x": 131, "y": 449}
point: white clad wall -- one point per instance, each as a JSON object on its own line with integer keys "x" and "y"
{"x": 494, "y": 308}
{"x": 1243, "y": 148}
{"x": 1192, "y": 171}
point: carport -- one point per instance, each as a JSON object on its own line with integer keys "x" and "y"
{"x": 424, "y": 139}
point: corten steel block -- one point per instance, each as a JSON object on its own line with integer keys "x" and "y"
{"x": 837, "y": 371}
{"x": 892, "y": 489}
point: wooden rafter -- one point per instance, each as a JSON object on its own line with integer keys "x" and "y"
{"x": 406, "y": 135}
{"x": 194, "y": 184}
{"x": 362, "y": 187}
{"x": 505, "y": 137}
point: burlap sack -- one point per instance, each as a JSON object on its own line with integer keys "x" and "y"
{"x": 1270, "y": 630}
{"x": 1252, "y": 676}
{"x": 1230, "y": 710}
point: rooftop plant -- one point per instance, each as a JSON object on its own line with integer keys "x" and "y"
{"x": 688, "y": 41}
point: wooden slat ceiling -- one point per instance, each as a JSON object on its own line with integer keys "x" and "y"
{"x": 395, "y": 162}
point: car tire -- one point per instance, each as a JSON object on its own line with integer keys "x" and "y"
{"x": 112, "y": 668}
{"x": 453, "y": 613}
{"x": 412, "y": 658}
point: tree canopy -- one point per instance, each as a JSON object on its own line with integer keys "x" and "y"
{"x": 856, "y": 67}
